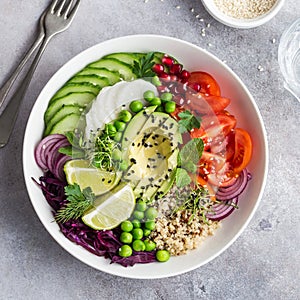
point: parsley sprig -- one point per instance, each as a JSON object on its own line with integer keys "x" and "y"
{"x": 77, "y": 203}
{"x": 143, "y": 66}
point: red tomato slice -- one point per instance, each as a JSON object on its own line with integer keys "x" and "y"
{"x": 207, "y": 83}
{"x": 205, "y": 104}
{"x": 210, "y": 163}
{"x": 242, "y": 150}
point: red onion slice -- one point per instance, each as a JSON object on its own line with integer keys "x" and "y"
{"x": 223, "y": 210}
{"x": 234, "y": 190}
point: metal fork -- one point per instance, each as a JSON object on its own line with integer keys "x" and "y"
{"x": 56, "y": 19}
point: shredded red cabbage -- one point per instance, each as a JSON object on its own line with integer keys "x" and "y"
{"x": 102, "y": 243}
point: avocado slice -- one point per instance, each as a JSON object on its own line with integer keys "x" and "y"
{"x": 150, "y": 144}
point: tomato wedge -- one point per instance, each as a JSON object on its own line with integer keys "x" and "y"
{"x": 205, "y": 104}
{"x": 242, "y": 150}
{"x": 208, "y": 85}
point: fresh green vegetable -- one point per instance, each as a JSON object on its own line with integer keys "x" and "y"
{"x": 126, "y": 237}
{"x": 162, "y": 255}
{"x": 76, "y": 150}
{"x": 136, "y": 106}
{"x": 170, "y": 107}
{"x": 125, "y": 116}
{"x": 151, "y": 213}
{"x": 156, "y": 81}
{"x": 149, "y": 245}
{"x": 137, "y": 233}
{"x": 125, "y": 251}
{"x": 138, "y": 245}
{"x": 139, "y": 215}
{"x": 120, "y": 126}
{"x": 149, "y": 95}
{"x": 182, "y": 178}
{"x": 126, "y": 226}
{"x": 188, "y": 121}
{"x": 155, "y": 101}
{"x": 118, "y": 137}
{"x": 136, "y": 223}
{"x": 143, "y": 67}
{"x": 166, "y": 97}
{"x": 141, "y": 205}
{"x": 77, "y": 203}
{"x": 146, "y": 232}
{"x": 150, "y": 225}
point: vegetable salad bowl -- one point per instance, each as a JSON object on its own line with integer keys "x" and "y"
{"x": 242, "y": 106}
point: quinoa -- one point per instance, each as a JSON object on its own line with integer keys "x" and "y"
{"x": 177, "y": 235}
{"x": 178, "y": 230}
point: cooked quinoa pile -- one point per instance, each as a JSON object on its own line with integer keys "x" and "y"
{"x": 178, "y": 230}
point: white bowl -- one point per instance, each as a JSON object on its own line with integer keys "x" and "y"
{"x": 215, "y": 12}
{"x": 243, "y": 106}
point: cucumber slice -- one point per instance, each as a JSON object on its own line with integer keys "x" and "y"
{"x": 112, "y": 64}
{"x": 60, "y": 114}
{"x": 127, "y": 58}
{"x": 112, "y": 76}
{"x": 67, "y": 123}
{"x": 76, "y": 87}
{"x": 92, "y": 79}
{"x": 80, "y": 99}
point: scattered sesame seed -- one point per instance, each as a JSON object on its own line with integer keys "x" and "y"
{"x": 178, "y": 7}
{"x": 192, "y": 10}
{"x": 260, "y": 68}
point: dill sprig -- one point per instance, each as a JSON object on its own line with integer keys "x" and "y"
{"x": 77, "y": 203}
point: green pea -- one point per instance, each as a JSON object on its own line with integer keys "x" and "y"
{"x": 136, "y": 223}
{"x": 166, "y": 97}
{"x": 160, "y": 108}
{"x": 126, "y": 226}
{"x": 156, "y": 81}
{"x": 155, "y": 101}
{"x": 116, "y": 155}
{"x": 136, "y": 106}
{"x": 151, "y": 213}
{"x": 118, "y": 136}
{"x": 138, "y": 245}
{"x": 123, "y": 165}
{"x": 149, "y": 95}
{"x": 125, "y": 116}
{"x": 146, "y": 232}
{"x": 141, "y": 205}
{"x": 125, "y": 251}
{"x": 149, "y": 245}
{"x": 162, "y": 255}
{"x": 138, "y": 214}
{"x": 120, "y": 126}
{"x": 111, "y": 130}
{"x": 150, "y": 225}
{"x": 170, "y": 107}
{"x": 137, "y": 233}
{"x": 126, "y": 237}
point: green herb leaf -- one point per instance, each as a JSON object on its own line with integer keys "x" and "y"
{"x": 143, "y": 67}
{"x": 182, "y": 178}
{"x": 77, "y": 203}
{"x": 188, "y": 121}
{"x": 76, "y": 149}
{"x": 191, "y": 151}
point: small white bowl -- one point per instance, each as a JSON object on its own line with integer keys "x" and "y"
{"x": 215, "y": 12}
{"x": 242, "y": 106}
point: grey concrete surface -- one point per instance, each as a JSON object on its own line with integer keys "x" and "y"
{"x": 263, "y": 263}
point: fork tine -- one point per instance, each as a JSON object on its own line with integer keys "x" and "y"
{"x": 53, "y": 5}
{"x": 58, "y": 12}
{"x": 74, "y": 10}
{"x": 68, "y": 9}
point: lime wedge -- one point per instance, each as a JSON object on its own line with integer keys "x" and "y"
{"x": 111, "y": 209}
{"x": 81, "y": 172}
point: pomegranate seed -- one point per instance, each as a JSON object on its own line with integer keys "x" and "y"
{"x": 168, "y": 61}
{"x": 165, "y": 76}
{"x": 158, "y": 68}
{"x": 175, "y": 69}
{"x": 185, "y": 75}
{"x": 195, "y": 86}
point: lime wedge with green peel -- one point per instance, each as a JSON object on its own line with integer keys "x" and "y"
{"x": 81, "y": 172}
{"x": 111, "y": 209}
